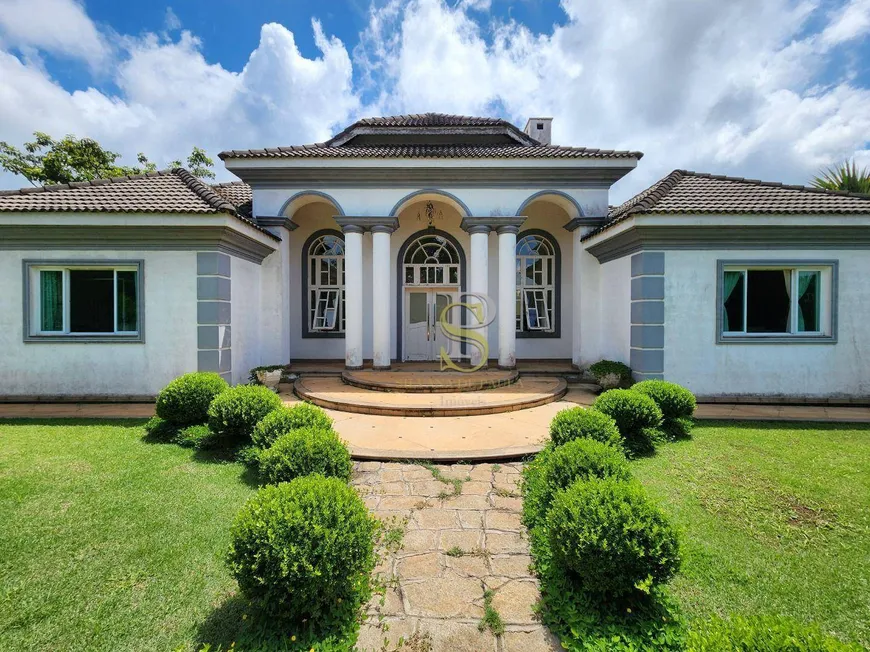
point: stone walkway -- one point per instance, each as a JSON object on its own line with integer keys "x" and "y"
{"x": 450, "y": 540}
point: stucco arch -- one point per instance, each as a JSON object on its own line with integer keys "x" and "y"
{"x": 431, "y": 194}
{"x": 306, "y": 197}
{"x": 561, "y": 199}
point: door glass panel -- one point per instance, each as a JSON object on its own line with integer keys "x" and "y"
{"x": 417, "y": 307}
{"x": 441, "y": 302}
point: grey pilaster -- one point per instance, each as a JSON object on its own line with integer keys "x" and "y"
{"x": 214, "y": 313}
{"x": 648, "y": 315}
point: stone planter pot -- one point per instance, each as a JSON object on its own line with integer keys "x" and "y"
{"x": 270, "y": 378}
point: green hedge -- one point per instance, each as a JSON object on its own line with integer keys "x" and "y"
{"x": 611, "y": 537}
{"x": 305, "y": 451}
{"x": 676, "y": 403}
{"x": 555, "y": 469}
{"x": 303, "y": 552}
{"x": 571, "y": 423}
{"x": 234, "y": 413}
{"x": 285, "y": 419}
{"x": 636, "y": 415}
{"x": 185, "y": 400}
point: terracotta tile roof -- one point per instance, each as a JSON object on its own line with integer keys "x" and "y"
{"x": 323, "y": 150}
{"x": 519, "y": 145}
{"x": 430, "y": 120}
{"x": 238, "y": 193}
{"x": 684, "y": 191}
{"x": 173, "y": 191}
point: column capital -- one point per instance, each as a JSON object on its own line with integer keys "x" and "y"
{"x": 579, "y": 222}
{"x": 360, "y": 224}
{"x": 497, "y": 223}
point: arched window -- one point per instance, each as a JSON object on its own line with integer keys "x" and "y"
{"x": 537, "y": 284}
{"x": 431, "y": 260}
{"x": 324, "y": 256}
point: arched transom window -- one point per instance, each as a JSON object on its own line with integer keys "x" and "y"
{"x": 536, "y": 284}
{"x": 326, "y": 284}
{"x": 431, "y": 260}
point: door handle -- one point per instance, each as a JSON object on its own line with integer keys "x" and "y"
{"x": 428, "y": 338}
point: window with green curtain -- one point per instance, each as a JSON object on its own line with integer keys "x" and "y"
{"x": 808, "y": 301}
{"x": 51, "y": 300}
{"x": 127, "y": 302}
{"x": 732, "y": 301}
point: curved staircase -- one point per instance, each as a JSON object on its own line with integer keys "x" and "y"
{"x": 429, "y": 393}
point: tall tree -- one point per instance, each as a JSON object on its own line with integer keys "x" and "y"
{"x": 47, "y": 161}
{"x": 845, "y": 177}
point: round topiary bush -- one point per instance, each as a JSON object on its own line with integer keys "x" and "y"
{"x": 303, "y": 550}
{"x": 636, "y": 415}
{"x": 284, "y": 419}
{"x": 235, "y": 412}
{"x": 676, "y": 403}
{"x": 305, "y": 451}
{"x": 610, "y": 374}
{"x": 185, "y": 400}
{"x": 571, "y": 423}
{"x": 613, "y": 540}
{"x": 555, "y": 469}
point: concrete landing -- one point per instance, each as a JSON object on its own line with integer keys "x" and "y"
{"x": 416, "y": 382}
{"x": 526, "y": 393}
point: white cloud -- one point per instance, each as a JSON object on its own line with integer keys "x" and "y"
{"x": 734, "y": 87}
{"x": 57, "y": 26}
{"x": 171, "y": 21}
{"x": 171, "y": 98}
{"x": 724, "y": 87}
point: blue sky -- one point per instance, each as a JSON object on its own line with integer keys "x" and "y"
{"x": 772, "y": 89}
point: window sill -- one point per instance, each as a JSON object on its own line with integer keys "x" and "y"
{"x": 84, "y": 339}
{"x": 538, "y": 335}
{"x": 314, "y": 335}
{"x": 776, "y": 339}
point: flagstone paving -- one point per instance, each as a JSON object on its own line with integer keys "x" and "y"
{"x": 454, "y": 546}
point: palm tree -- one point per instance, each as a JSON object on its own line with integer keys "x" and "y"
{"x": 845, "y": 177}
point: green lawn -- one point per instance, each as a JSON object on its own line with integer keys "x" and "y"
{"x": 775, "y": 518}
{"x": 108, "y": 542}
{"x": 111, "y": 543}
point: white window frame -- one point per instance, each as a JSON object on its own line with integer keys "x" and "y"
{"x": 547, "y": 286}
{"x": 420, "y": 271}
{"x": 33, "y": 310}
{"x": 317, "y": 289}
{"x": 827, "y": 318}
{"x": 533, "y": 299}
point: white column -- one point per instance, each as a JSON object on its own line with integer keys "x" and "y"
{"x": 576, "y": 284}
{"x": 353, "y": 296}
{"x": 381, "y": 295}
{"x": 507, "y": 296}
{"x": 478, "y": 281}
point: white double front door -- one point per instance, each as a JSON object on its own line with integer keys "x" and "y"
{"x": 424, "y": 335}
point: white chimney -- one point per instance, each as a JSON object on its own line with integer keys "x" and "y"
{"x": 539, "y": 129}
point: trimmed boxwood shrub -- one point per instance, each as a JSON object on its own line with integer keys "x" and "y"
{"x": 611, "y": 374}
{"x": 571, "y": 423}
{"x": 611, "y": 538}
{"x": 676, "y": 403}
{"x": 769, "y": 633}
{"x": 235, "y": 412}
{"x": 303, "y": 550}
{"x": 636, "y": 415}
{"x": 284, "y": 419}
{"x": 185, "y": 400}
{"x": 554, "y": 469}
{"x": 305, "y": 451}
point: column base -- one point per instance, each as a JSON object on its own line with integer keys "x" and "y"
{"x": 506, "y": 367}
{"x": 350, "y": 368}
{"x": 381, "y": 368}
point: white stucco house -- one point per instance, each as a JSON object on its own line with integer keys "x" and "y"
{"x": 349, "y": 250}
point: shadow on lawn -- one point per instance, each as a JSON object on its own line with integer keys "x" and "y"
{"x": 782, "y": 425}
